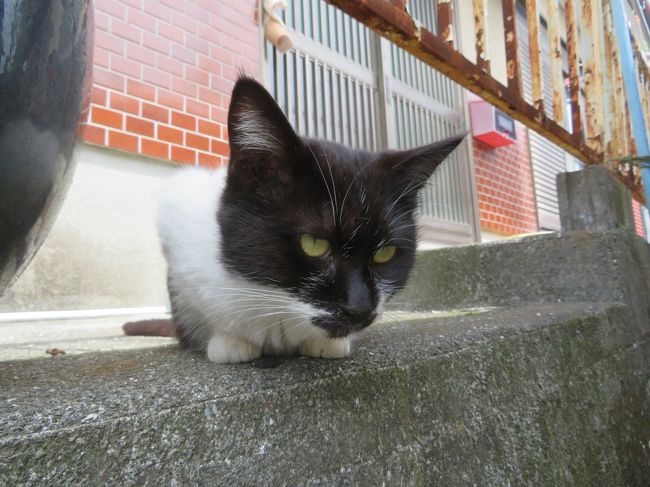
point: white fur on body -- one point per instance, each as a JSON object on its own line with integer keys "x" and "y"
{"x": 242, "y": 318}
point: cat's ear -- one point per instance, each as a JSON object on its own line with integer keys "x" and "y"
{"x": 257, "y": 128}
{"x": 412, "y": 168}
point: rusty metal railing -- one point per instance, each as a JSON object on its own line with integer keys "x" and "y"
{"x": 600, "y": 118}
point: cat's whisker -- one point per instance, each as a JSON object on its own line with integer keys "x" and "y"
{"x": 329, "y": 192}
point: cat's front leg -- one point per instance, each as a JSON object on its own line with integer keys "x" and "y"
{"x": 227, "y": 349}
{"x": 325, "y": 347}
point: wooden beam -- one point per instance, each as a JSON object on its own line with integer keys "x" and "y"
{"x": 512, "y": 52}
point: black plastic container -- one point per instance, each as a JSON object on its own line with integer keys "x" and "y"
{"x": 45, "y": 64}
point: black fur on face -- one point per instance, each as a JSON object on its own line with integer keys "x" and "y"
{"x": 281, "y": 186}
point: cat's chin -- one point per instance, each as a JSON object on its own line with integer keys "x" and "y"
{"x": 341, "y": 328}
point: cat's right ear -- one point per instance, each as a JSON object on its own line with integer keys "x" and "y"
{"x": 261, "y": 137}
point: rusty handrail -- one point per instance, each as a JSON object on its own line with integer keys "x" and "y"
{"x": 598, "y": 139}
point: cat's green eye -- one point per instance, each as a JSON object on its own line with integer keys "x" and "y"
{"x": 384, "y": 254}
{"x": 314, "y": 246}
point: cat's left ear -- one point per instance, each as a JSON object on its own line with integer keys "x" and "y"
{"x": 414, "y": 167}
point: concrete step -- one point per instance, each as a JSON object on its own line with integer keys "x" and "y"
{"x": 532, "y": 395}
{"x": 545, "y": 382}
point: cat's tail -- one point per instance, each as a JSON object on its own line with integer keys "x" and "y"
{"x": 152, "y": 328}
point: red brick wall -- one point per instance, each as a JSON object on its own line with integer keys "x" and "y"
{"x": 505, "y": 188}
{"x": 638, "y": 219}
{"x": 163, "y": 73}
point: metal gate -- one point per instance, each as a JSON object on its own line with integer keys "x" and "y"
{"x": 341, "y": 82}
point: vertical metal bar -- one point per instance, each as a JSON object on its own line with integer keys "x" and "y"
{"x": 574, "y": 64}
{"x": 480, "y": 23}
{"x": 592, "y": 66}
{"x": 512, "y": 53}
{"x": 309, "y": 101}
{"x": 555, "y": 50}
{"x": 537, "y": 82}
{"x": 614, "y": 139}
{"x": 337, "y": 125}
{"x": 632, "y": 90}
{"x": 445, "y": 21}
{"x": 329, "y": 104}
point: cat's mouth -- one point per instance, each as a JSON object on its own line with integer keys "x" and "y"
{"x": 340, "y": 326}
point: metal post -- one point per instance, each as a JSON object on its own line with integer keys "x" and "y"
{"x": 632, "y": 90}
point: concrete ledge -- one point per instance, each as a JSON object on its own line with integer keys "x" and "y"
{"x": 541, "y": 395}
{"x": 553, "y": 268}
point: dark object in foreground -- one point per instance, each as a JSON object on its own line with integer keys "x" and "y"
{"x": 152, "y": 328}
{"x": 45, "y": 56}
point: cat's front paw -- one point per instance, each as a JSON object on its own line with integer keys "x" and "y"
{"x": 325, "y": 347}
{"x": 225, "y": 349}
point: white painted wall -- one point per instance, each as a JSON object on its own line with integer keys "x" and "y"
{"x": 103, "y": 250}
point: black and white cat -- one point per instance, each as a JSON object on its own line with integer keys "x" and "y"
{"x": 294, "y": 246}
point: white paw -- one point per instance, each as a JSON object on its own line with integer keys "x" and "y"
{"x": 224, "y": 349}
{"x": 325, "y": 347}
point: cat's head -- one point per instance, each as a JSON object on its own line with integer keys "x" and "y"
{"x": 333, "y": 226}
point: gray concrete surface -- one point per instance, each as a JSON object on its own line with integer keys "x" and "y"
{"x": 551, "y": 268}
{"x": 592, "y": 200}
{"x": 542, "y": 395}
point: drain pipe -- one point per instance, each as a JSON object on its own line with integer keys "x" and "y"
{"x": 632, "y": 90}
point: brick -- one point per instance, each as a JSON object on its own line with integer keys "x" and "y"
{"x": 126, "y": 31}
{"x": 125, "y": 66}
{"x": 124, "y": 103}
{"x": 156, "y": 9}
{"x": 170, "y": 65}
{"x": 184, "y": 54}
{"x": 155, "y": 112}
{"x": 142, "y": 20}
{"x": 209, "y": 96}
{"x": 102, "y": 21}
{"x": 170, "y": 134}
{"x": 209, "y": 128}
{"x": 175, "y": 4}
{"x": 181, "y": 154}
{"x": 197, "y": 12}
{"x": 101, "y": 57}
{"x": 125, "y": 142}
{"x": 141, "y": 90}
{"x": 170, "y": 32}
{"x": 99, "y": 96}
{"x": 92, "y": 134}
{"x": 184, "y": 121}
{"x": 154, "y": 148}
{"x": 197, "y": 141}
{"x": 111, "y": 7}
{"x": 220, "y": 147}
{"x": 219, "y": 115}
{"x": 197, "y": 108}
{"x": 109, "y": 118}
{"x": 155, "y": 42}
{"x": 140, "y": 54}
{"x": 156, "y": 77}
{"x": 210, "y": 65}
{"x": 197, "y": 75}
{"x": 185, "y": 22}
{"x": 109, "y": 42}
{"x": 139, "y": 126}
{"x": 209, "y": 160}
{"x": 179, "y": 85}
{"x": 170, "y": 99}
{"x": 209, "y": 34}
{"x": 197, "y": 44}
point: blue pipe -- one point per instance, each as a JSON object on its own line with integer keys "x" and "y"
{"x": 632, "y": 90}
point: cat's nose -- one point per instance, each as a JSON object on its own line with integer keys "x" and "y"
{"x": 358, "y": 305}
{"x": 357, "y": 314}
